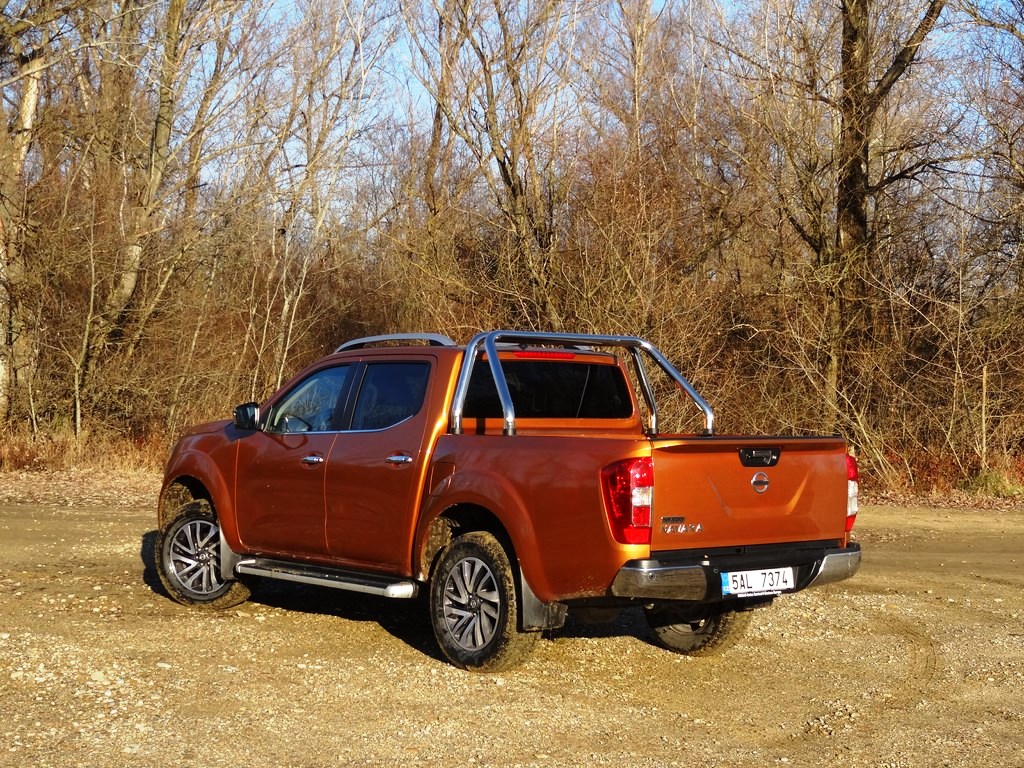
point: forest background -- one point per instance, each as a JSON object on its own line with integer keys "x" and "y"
{"x": 814, "y": 209}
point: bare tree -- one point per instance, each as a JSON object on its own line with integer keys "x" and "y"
{"x": 29, "y": 35}
{"x": 843, "y": 132}
{"x": 867, "y": 81}
{"x": 152, "y": 167}
{"x": 305, "y": 143}
{"x": 496, "y": 73}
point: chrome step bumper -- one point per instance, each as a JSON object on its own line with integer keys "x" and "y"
{"x": 304, "y": 573}
{"x": 836, "y": 566}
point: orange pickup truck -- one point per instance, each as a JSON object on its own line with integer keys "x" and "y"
{"x": 512, "y": 480}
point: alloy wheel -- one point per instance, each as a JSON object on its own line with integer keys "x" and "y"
{"x": 472, "y": 604}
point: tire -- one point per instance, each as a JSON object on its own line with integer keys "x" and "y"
{"x": 188, "y": 560}
{"x": 680, "y": 631}
{"x": 474, "y": 606}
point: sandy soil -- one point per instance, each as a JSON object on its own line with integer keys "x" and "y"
{"x": 918, "y": 661}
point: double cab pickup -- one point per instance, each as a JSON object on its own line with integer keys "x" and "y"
{"x": 510, "y": 482}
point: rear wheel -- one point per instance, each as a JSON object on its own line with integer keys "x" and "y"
{"x": 188, "y": 556}
{"x": 474, "y": 608}
{"x": 680, "y": 630}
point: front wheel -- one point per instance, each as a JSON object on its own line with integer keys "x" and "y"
{"x": 684, "y": 632}
{"x": 188, "y": 554}
{"x": 473, "y": 606}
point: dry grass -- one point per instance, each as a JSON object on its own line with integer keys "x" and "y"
{"x": 62, "y": 450}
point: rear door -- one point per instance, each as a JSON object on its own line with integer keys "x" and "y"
{"x": 723, "y": 492}
{"x": 375, "y": 467}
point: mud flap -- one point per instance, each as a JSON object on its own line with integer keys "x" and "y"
{"x": 534, "y": 614}
{"x": 228, "y": 558}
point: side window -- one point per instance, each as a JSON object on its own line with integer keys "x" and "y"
{"x": 390, "y": 393}
{"x": 312, "y": 405}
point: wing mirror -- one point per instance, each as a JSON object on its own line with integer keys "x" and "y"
{"x": 247, "y": 416}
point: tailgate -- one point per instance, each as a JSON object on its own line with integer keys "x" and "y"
{"x": 734, "y": 491}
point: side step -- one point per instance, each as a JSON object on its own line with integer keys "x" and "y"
{"x": 305, "y": 573}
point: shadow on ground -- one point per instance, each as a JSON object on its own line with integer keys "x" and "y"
{"x": 406, "y": 620}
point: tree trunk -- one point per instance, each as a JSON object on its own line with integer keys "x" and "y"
{"x": 12, "y": 216}
{"x": 848, "y": 269}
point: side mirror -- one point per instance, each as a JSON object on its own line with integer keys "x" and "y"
{"x": 247, "y": 416}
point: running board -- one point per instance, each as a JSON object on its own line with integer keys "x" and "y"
{"x": 304, "y": 573}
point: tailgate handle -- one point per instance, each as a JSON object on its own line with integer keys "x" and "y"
{"x": 759, "y": 457}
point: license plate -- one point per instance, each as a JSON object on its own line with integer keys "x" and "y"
{"x": 769, "y": 581}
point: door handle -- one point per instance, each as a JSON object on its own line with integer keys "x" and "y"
{"x": 399, "y": 458}
{"x": 312, "y": 460}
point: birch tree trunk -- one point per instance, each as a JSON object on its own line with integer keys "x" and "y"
{"x": 14, "y": 148}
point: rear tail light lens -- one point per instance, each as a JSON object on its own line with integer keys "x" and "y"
{"x": 628, "y": 494}
{"x": 852, "y": 489}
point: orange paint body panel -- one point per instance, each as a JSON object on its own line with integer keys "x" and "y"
{"x": 545, "y": 490}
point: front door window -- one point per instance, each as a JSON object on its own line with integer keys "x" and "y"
{"x": 313, "y": 406}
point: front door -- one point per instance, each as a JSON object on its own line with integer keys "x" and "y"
{"x": 280, "y": 486}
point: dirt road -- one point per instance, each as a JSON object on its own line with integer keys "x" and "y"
{"x": 918, "y": 661}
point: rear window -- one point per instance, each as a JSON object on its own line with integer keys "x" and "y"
{"x": 545, "y": 389}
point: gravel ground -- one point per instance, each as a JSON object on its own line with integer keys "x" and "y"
{"x": 918, "y": 661}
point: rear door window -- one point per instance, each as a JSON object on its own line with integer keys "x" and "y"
{"x": 389, "y": 394}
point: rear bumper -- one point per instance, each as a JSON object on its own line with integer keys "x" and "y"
{"x": 837, "y": 565}
{"x": 678, "y": 576}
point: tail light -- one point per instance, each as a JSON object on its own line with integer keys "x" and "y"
{"x": 852, "y": 488}
{"x": 628, "y": 492}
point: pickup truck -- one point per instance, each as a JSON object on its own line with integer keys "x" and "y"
{"x": 509, "y": 482}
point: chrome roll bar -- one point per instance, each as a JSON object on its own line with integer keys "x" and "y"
{"x": 488, "y": 342}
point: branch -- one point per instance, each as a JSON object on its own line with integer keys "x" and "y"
{"x": 906, "y": 55}
{"x": 911, "y": 171}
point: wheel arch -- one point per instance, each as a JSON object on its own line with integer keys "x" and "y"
{"x": 459, "y": 519}
{"x": 481, "y": 497}
{"x": 181, "y": 490}
{"x": 195, "y": 476}
{"x": 453, "y": 522}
